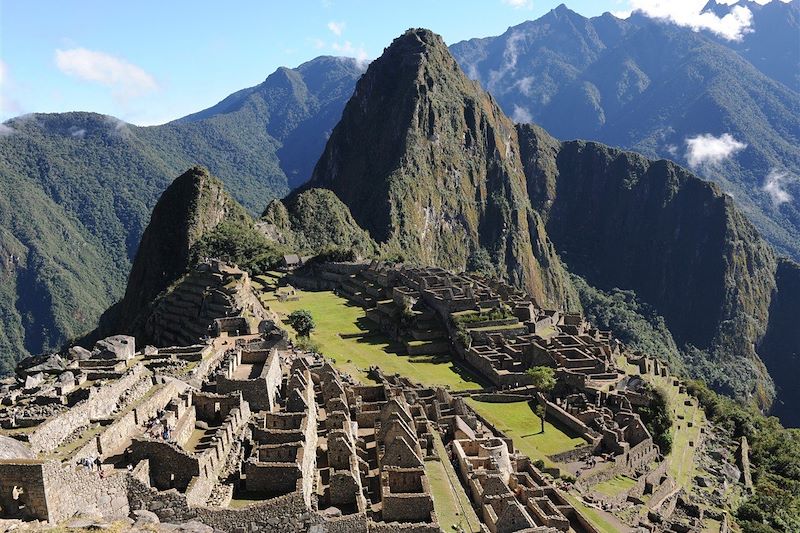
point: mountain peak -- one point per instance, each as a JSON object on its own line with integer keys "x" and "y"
{"x": 193, "y": 204}
{"x": 429, "y": 165}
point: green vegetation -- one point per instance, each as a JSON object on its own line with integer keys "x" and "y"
{"x": 632, "y": 321}
{"x": 615, "y": 485}
{"x": 452, "y": 506}
{"x": 77, "y": 190}
{"x": 544, "y": 378}
{"x": 302, "y": 322}
{"x": 657, "y": 417}
{"x": 774, "y": 458}
{"x": 345, "y": 335}
{"x": 241, "y": 244}
{"x": 465, "y": 318}
{"x": 315, "y": 221}
{"x": 519, "y": 422}
{"x": 480, "y": 262}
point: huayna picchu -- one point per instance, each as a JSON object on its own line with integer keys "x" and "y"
{"x": 403, "y": 344}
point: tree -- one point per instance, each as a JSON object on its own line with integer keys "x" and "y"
{"x": 544, "y": 379}
{"x": 302, "y": 322}
{"x": 541, "y": 412}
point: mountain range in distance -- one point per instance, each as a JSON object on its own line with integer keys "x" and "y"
{"x": 91, "y": 181}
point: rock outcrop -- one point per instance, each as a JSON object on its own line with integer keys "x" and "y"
{"x": 780, "y": 348}
{"x": 429, "y": 165}
{"x": 621, "y": 220}
{"x": 315, "y": 221}
{"x": 194, "y": 204}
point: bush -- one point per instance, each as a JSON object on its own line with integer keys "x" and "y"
{"x": 479, "y": 261}
{"x": 239, "y": 243}
{"x": 302, "y": 322}
{"x": 657, "y": 417}
{"x": 308, "y": 345}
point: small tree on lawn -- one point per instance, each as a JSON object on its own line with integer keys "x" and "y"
{"x": 544, "y": 379}
{"x": 541, "y": 412}
{"x": 302, "y": 322}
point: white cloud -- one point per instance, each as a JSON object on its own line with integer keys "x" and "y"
{"x": 510, "y": 56}
{"x": 774, "y": 185}
{"x": 705, "y": 149}
{"x": 347, "y": 48}
{"x": 337, "y": 28}
{"x": 75, "y": 131}
{"x": 519, "y": 4}
{"x": 521, "y": 115}
{"x": 125, "y": 79}
{"x": 690, "y": 13}
{"x": 5, "y": 131}
{"x": 525, "y": 85}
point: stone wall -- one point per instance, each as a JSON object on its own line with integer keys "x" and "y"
{"x": 48, "y": 436}
{"x": 572, "y": 423}
{"x": 287, "y": 514}
{"x": 170, "y": 466}
{"x": 27, "y": 475}
{"x": 52, "y": 491}
{"x": 75, "y": 490}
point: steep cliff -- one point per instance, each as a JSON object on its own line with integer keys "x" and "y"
{"x": 780, "y": 348}
{"x": 193, "y": 205}
{"x": 429, "y": 165}
{"x": 622, "y": 221}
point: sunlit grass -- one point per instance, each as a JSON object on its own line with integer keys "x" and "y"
{"x": 345, "y": 335}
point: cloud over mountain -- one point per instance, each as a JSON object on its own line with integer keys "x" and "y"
{"x": 705, "y": 149}
{"x": 124, "y": 78}
{"x": 774, "y": 185}
{"x": 690, "y": 13}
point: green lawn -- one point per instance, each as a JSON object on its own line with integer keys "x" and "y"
{"x": 450, "y": 502}
{"x": 519, "y": 422}
{"x": 603, "y": 521}
{"x": 344, "y": 334}
{"x": 615, "y": 485}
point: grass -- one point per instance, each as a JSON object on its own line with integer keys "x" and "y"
{"x": 450, "y": 502}
{"x": 615, "y": 485}
{"x": 344, "y": 334}
{"x": 65, "y": 451}
{"x": 518, "y": 421}
{"x": 599, "y": 519}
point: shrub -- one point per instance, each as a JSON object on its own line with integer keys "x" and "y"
{"x": 302, "y": 322}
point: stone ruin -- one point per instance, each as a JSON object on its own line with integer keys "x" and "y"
{"x": 239, "y": 430}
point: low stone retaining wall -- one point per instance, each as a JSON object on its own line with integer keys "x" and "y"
{"x": 501, "y": 398}
{"x": 52, "y": 433}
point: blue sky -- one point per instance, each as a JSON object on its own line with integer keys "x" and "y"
{"x": 148, "y": 62}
